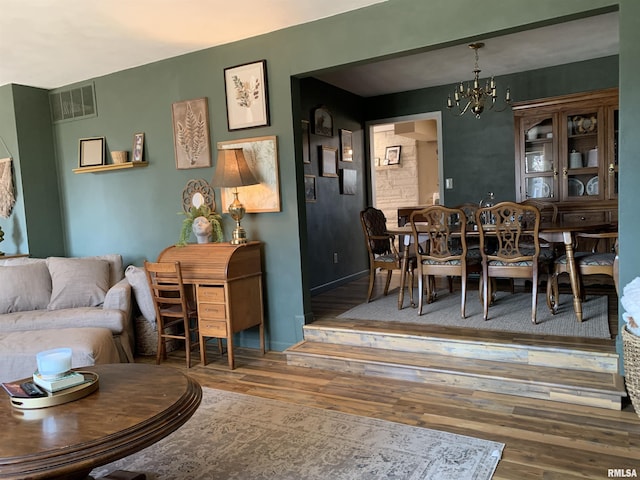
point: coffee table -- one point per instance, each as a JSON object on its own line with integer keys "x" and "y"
{"x": 135, "y": 406}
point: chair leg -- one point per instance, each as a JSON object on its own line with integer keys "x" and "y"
{"x": 187, "y": 342}
{"x": 420, "y": 291}
{"x": 160, "y": 352}
{"x": 485, "y": 293}
{"x": 463, "y": 287}
{"x": 388, "y": 282}
{"x": 372, "y": 280}
{"x": 534, "y": 297}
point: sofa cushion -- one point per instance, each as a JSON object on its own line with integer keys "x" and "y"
{"x": 138, "y": 280}
{"x": 24, "y": 287}
{"x": 114, "y": 320}
{"x": 77, "y": 282}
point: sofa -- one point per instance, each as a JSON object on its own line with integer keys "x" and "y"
{"x": 81, "y": 303}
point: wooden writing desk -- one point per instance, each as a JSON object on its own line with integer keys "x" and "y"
{"x": 228, "y": 286}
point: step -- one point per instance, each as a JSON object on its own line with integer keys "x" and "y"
{"x": 591, "y": 357}
{"x": 596, "y": 389}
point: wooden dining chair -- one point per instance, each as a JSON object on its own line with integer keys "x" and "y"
{"x": 589, "y": 260}
{"x": 441, "y": 250}
{"x": 514, "y": 247}
{"x": 382, "y": 250}
{"x": 548, "y": 210}
{"x": 175, "y": 317}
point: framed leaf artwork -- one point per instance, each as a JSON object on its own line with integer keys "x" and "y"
{"x": 191, "y": 134}
{"x": 247, "y": 95}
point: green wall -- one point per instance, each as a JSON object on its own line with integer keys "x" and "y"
{"x": 134, "y": 211}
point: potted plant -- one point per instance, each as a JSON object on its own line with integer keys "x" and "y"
{"x": 201, "y": 211}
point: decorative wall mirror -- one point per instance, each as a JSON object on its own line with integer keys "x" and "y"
{"x": 198, "y": 193}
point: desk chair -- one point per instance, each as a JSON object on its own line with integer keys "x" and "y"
{"x": 441, "y": 249}
{"x": 172, "y": 307}
{"x": 516, "y": 249}
{"x": 589, "y": 261}
{"x": 382, "y": 251}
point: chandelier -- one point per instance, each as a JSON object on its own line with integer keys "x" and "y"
{"x": 476, "y": 96}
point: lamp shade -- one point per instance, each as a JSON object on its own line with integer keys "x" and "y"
{"x": 232, "y": 169}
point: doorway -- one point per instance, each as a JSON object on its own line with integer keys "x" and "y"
{"x": 406, "y": 162}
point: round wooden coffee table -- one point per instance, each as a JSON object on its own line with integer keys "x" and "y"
{"x": 135, "y": 406}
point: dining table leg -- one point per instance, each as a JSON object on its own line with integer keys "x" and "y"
{"x": 567, "y": 237}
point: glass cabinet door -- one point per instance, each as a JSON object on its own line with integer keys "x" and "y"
{"x": 539, "y": 172}
{"x": 612, "y": 167}
{"x": 583, "y": 155}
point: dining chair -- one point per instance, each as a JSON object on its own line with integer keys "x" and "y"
{"x": 513, "y": 249}
{"x": 441, "y": 249}
{"x": 175, "y": 317}
{"x": 383, "y": 253}
{"x": 548, "y": 210}
{"x": 589, "y": 260}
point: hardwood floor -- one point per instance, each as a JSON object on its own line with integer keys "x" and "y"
{"x": 544, "y": 439}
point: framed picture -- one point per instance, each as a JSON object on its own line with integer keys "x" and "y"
{"x": 348, "y": 180}
{"x": 191, "y": 133}
{"x": 138, "y": 147}
{"x": 261, "y": 154}
{"x": 322, "y": 122}
{"x": 247, "y": 97}
{"x": 346, "y": 145}
{"x": 328, "y": 161}
{"x": 392, "y": 155}
{"x": 310, "y": 188}
{"x": 306, "y": 153}
{"x": 91, "y": 152}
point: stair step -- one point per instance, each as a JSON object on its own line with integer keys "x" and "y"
{"x": 592, "y": 357}
{"x": 597, "y": 389}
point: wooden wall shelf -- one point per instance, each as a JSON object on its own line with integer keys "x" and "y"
{"x": 113, "y": 166}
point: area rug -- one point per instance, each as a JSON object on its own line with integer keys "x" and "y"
{"x": 243, "y": 437}
{"x": 510, "y": 313}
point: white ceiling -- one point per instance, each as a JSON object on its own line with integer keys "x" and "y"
{"x": 48, "y": 44}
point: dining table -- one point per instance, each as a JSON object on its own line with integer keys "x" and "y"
{"x": 561, "y": 231}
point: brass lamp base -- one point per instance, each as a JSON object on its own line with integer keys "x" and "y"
{"x": 237, "y": 211}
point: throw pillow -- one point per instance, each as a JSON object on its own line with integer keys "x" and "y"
{"x": 24, "y": 287}
{"x": 77, "y": 282}
{"x": 138, "y": 280}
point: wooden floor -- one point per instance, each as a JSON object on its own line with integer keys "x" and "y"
{"x": 544, "y": 440}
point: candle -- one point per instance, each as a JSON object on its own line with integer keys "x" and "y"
{"x": 54, "y": 362}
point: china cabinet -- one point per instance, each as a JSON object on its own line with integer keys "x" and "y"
{"x": 566, "y": 153}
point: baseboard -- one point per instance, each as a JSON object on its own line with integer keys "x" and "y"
{"x": 337, "y": 283}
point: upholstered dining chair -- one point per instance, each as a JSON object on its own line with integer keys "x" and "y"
{"x": 441, "y": 249}
{"x": 175, "y": 317}
{"x": 514, "y": 249}
{"x": 382, "y": 250}
{"x": 591, "y": 260}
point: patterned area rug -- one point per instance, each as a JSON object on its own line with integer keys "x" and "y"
{"x": 237, "y": 436}
{"x": 510, "y": 313}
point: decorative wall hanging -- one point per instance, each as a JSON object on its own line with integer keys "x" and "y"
{"x": 348, "y": 181}
{"x": 306, "y": 153}
{"x": 138, "y": 147}
{"x": 310, "y": 188}
{"x": 191, "y": 133}
{"x": 392, "y": 155}
{"x": 346, "y": 145}
{"x": 91, "y": 152}
{"x": 322, "y": 122}
{"x": 261, "y": 154}
{"x": 328, "y": 161}
{"x": 247, "y": 95}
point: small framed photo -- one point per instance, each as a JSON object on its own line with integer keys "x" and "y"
{"x": 392, "y": 155}
{"x": 247, "y": 95}
{"x": 191, "y": 142}
{"x": 346, "y": 145}
{"x": 306, "y": 153}
{"x": 138, "y": 147}
{"x": 328, "y": 161}
{"x": 322, "y": 122}
{"x": 91, "y": 152}
{"x": 348, "y": 181}
{"x": 310, "y": 188}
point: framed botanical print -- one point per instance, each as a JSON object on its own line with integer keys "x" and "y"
{"x": 328, "y": 161}
{"x": 392, "y": 155}
{"x": 310, "y": 194}
{"x": 247, "y": 95}
{"x": 346, "y": 145}
{"x": 138, "y": 147}
{"x": 191, "y": 133}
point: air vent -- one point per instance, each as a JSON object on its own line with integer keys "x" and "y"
{"x": 73, "y": 104}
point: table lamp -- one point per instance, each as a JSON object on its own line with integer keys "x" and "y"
{"x": 232, "y": 171}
